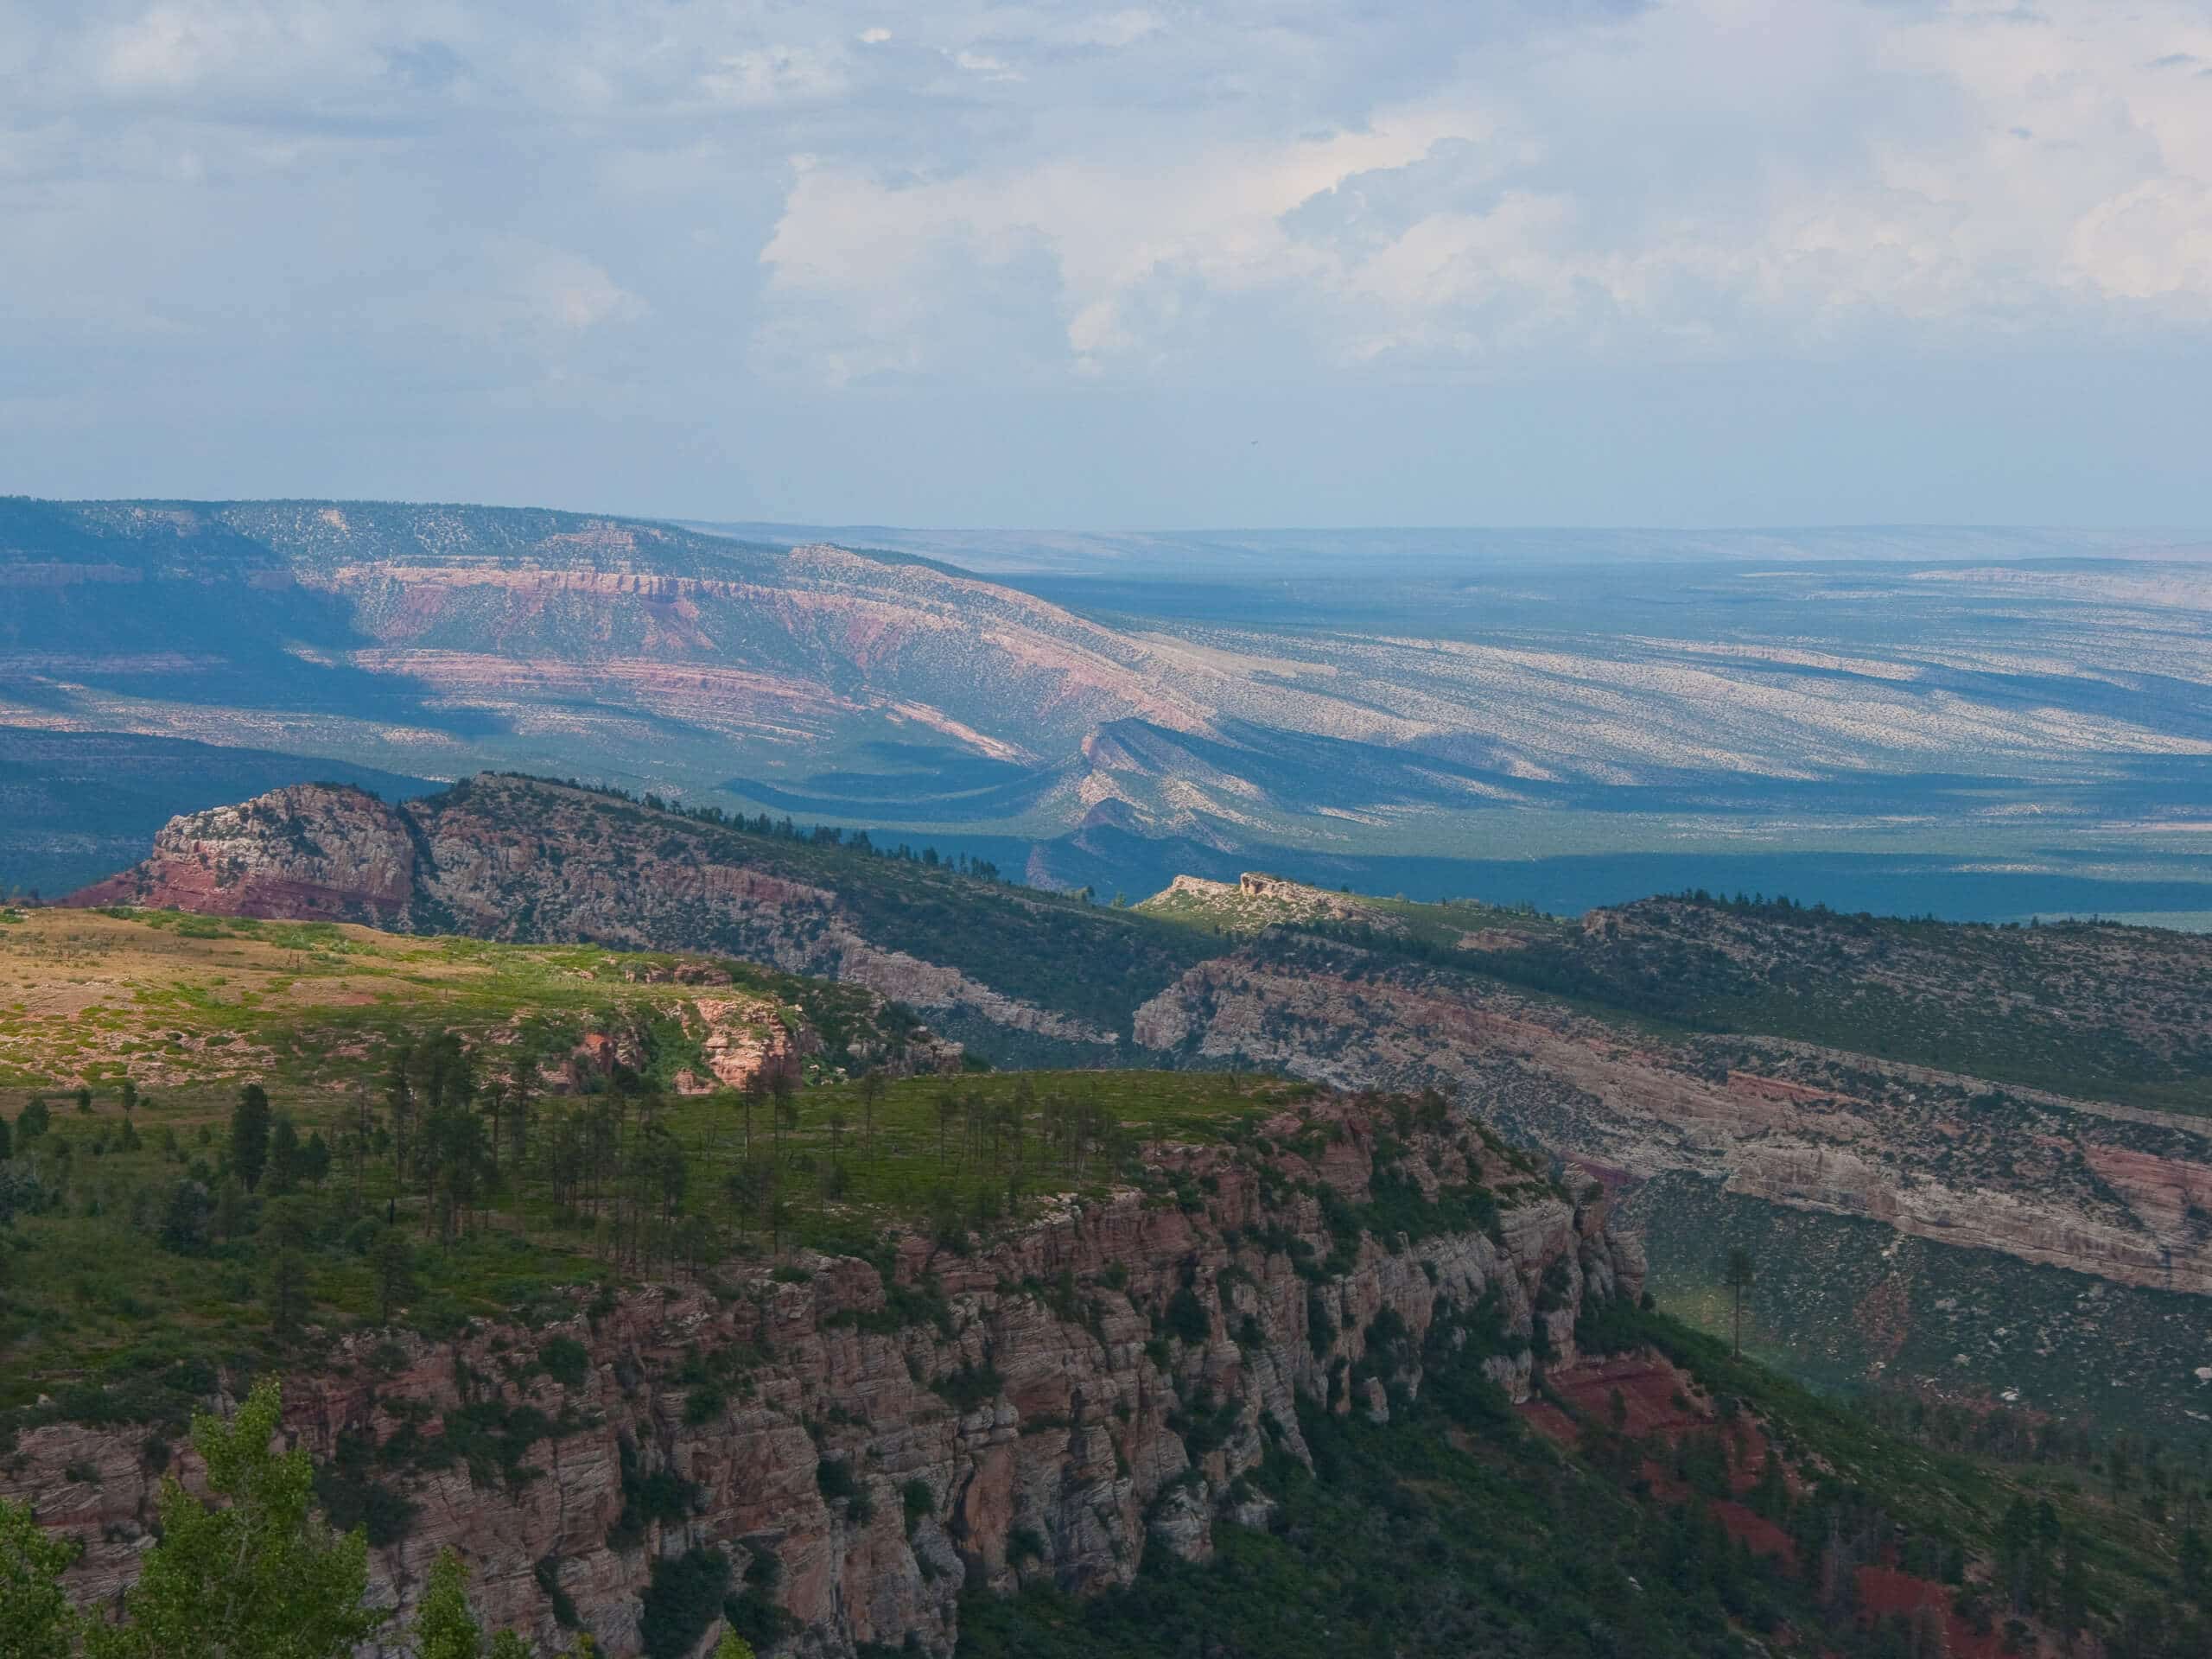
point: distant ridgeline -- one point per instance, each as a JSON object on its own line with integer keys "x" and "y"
{"x": 819, "y": 834}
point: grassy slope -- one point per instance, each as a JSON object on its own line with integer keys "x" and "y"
{"x": 193, "y": 1007}
{"x": 187, "y": 1005}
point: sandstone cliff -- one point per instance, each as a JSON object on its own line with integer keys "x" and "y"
{"x": 518, "y": 860}
{"x": 850, "y": 1444}
{"x": 2114, "y": 1190}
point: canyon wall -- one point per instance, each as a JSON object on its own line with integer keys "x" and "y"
{"x": 2121, "y": 1192}
{"x": 858, "y": 1441}
{"x": 519, "y": 859}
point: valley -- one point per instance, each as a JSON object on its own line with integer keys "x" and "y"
{"x": 2032, "y": 1099}
{"x": 1984, "y": 729}
{"x": 748, "y": 1291}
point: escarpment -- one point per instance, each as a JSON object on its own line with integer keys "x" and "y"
{"x": 2108, "y": 1190}
{"x": 834, "y": 1448}
{"x": 523, "y": 860}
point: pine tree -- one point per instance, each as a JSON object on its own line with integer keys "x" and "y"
{"x": 249, "y": 1134}
{"x": 282, "y": 1168}
{"x": 285, "y": 1290}
{"x": 391, "y": 1264}
{"x": 1741, "y": 1273}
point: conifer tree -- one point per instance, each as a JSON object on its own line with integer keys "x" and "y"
{"x": 249, "y": 1134}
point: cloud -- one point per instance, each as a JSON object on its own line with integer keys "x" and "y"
{"x": 1703, "y": 177}
{"x": 723, "y": 212}
{"x": 772, "y": 74}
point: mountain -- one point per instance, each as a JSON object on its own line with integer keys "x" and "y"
{"x": 1973, "y": 1160}
{"x": 1989, "y": 727}
{"x": 511, "y": 858}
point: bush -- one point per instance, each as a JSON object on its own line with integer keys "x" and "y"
{"x": 968, "y": 1387}
{"x": 565, "y": 1360}
{"x": 704, "y": 1404}
{"x": 1186, "y": 1317}
{"x": 681, "y": 1601}
{"x": 754, "y": 1614}
{"x": 919, "y": 1501}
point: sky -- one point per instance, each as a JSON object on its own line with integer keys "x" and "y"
{"x": 1582, "y": 262}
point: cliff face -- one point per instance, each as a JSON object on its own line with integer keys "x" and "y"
{"x": 2108, "y": 1190}
{"x": 1054, "y": 1406}
{"x": 507, "y": 859}
{"x": 308, "y": 852}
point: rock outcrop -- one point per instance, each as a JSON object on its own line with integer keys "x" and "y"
{"x": 520, "y": 860}
{"x": 856, "y": 1446}
{"x": 313, "y": 852}
{"x": 2114, "y": 1191}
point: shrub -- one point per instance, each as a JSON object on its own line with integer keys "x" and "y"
{"x": 703, "y": 1404}
{"x": 681, "y": 1601}
{"x": 919, "y": 1501}
{"x": 968, "y": 1387}
{"x": 1186, "y": 1317}
{"x": 565, "y": 1360}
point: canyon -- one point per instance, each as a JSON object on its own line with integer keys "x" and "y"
{"x": 845, "y": 1445}
{"x": 2037, "y": 1094}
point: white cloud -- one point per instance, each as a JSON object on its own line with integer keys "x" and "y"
{"x": 1730, "y": 175}
{"x": 568, "y": 291}
{"x": 770, "y": 74}
{"x": 1005, "y": 195}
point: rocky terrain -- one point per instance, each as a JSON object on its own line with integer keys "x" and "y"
{"x": 523, "y": 860}
{"x": 2039, "y": 1093}
{"x": 2025, "y": 1176}
{"x": 842, "y": 1447}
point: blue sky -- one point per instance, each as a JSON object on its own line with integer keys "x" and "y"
{"x": 1717, "y": 262}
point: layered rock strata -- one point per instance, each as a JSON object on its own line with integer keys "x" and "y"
{"x": 1055, "y": 1404}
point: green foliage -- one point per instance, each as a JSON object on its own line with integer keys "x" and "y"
{"x": 968, "y": 1386}
{"x": 391, "y": 1267}
{"x": 755, "y": 1615}
{"x": 918, "y": 1502}
{"x": 684, "y": 1595}
{"x": 249, "y": 1134}
{"x": 662, "y": 1494}
{"x": 36, "y": 1618}
{"x": 565, "y": 1360}
{"x": 445, "y": 1625}
{"x": 1187, "y": 1319}
{"x": 353, "y": 1496}
{"x": 260, "y": 1576}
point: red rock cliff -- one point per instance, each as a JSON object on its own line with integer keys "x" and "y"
{"x": 1024, "y": 1416}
